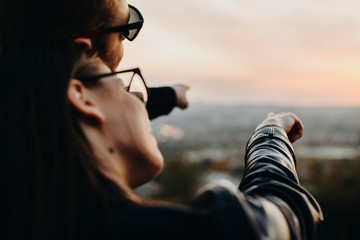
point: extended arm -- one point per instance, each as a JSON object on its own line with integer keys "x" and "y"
{"x": 162, "y": 100}
{"x": 282, "y": 208}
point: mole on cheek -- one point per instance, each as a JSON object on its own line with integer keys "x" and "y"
{"x": 111, "y": 150}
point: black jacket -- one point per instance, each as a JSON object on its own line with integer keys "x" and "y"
{"x": 269, "y": 203}
{"x": 161, "y": 101}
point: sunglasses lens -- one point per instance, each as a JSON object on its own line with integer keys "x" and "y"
{"x": 134, "y": 17}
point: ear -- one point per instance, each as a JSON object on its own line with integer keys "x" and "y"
{"x": 83, "y": 41}
{"x": 76, "y": 94}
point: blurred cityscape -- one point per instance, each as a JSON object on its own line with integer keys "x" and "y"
{"x": 207, "y": 142}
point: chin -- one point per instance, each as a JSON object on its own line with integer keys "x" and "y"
{"x": 148, "y": 170}
{"x": 160, "y": 164}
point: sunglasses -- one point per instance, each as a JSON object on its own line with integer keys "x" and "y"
{"x": 129, "y": 30}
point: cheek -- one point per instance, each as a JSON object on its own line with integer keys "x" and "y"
{"x": 138, "y": 123}
{"x": 126, "y": 120}
{"x": 114, "y": 108}
{"x": 135, "y": 118}
{"x": 111, "y": 50}
{"x": 117, "y": 52}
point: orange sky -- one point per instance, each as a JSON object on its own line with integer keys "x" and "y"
{"x": 286, "y": 52}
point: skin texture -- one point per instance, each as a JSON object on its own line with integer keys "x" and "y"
{"x": 118, "y": 128}
{"x": 180, "y": 91}
{"x": 288, "y": 121}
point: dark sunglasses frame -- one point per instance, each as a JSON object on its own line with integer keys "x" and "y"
{"x": 123, "y": 29}
{"x": 93, "y": 78}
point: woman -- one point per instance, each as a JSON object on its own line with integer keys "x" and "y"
{"x": 78, "y": 143}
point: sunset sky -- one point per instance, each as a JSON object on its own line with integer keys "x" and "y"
{"x": 284, "y": 52}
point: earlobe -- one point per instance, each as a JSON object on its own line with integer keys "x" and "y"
{"x": 83, "y": 41}
{"x": 85, "y": 106}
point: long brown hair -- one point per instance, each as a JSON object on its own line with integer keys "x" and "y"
{"x": 53, "y": 186}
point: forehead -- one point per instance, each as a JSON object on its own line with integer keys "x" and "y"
{"x": 122, "y": 12}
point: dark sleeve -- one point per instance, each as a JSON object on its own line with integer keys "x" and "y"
{"x": 218, "y": 212}
{"x": 161, "y": 101}
{"x": 270, "y": 179}
{"x": 270, "y": 204}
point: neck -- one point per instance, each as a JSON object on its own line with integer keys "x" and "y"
{"x": 111, "y": 163}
